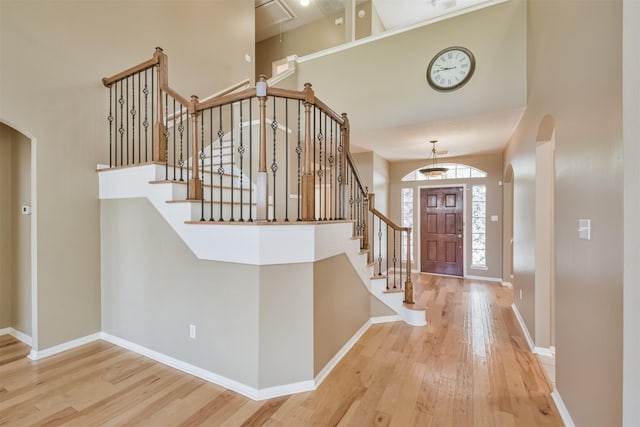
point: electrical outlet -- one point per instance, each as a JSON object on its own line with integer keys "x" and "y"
{"x": 520, "y": 294}
{"x": 192, "y": 331}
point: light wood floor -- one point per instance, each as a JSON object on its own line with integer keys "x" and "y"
{"x": 469, "y": 366}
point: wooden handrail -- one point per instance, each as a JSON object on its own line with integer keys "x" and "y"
{"x": 355, "y": 172}
{"x": 175, "y": 95}
{"x": 108, "y": 81}
{"x": 384, "y": 217}
{"x": 335, "y": 116}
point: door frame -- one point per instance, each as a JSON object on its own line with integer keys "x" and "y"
{"x": 417, "y": 228}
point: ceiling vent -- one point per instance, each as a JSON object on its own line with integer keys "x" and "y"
{"x": 272, "y": 12}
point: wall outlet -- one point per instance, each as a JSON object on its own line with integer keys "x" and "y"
{"x": 192, "y": 331}
{"x": 520, "y": 294}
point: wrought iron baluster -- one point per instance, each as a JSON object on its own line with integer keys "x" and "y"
{"x": 220, "y": 167}
{"x": 380, "y": 249}
{"x": 324, "y": 189}
{"x": 341, "y": 207}
{"x": 320, "y": 173}
{"x": 202, "y": 156}
{"x": 133, "y": 120}
{"x": 314, "y": 154}
{"x": 241, "y": 152}
{"x": 401, "y": 265}
{"x": 251, "y": 160}
{"x": 286, "y": 160}
{"x": 126, "y": 109}
{"x": 211, "y": 164}
{"x": 298, "y": 154}
{"x": 394, "y": 258}
{"x": 387, "y": 251}
{"x": 181, "y": 133}
{"x": 166, "y": 136}
{"x": 184, "y": 161}
{"x": 174, "y": 139}
{"x": 153, "y": 107}
{"x": 233, "y": 166}
{"x": 274, "y": 163}
{"x": 110, "y": 120}
{"x": 121, "y": 130}
{"x": 139, "y": 121}
{"x": 331, "y": 192}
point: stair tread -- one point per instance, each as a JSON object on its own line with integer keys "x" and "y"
{"x": 382, "y": 276}
{"x": 393, "y": 290}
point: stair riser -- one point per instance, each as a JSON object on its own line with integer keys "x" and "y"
{"x": 179, "y": 192}
{"x": 196, "y": 212}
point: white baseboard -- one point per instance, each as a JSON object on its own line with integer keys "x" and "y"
{"x": 385, "y": 319}
{"x": 545, "y": 351}
{"x": 41, "y": 354}
{"x": 238, "y": 387}
{"x": 486, "y": 279}
{"x": 17, "y": 335}
{"x": 523, "y": 327}
{"x": 562, "y": 409}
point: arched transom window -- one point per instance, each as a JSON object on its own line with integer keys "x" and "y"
{"x": 456, "y": 171}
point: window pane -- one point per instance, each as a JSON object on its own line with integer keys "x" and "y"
{"x": 478, "y": 241}
{"x": 478, "y": 258}
{"x": 478, "y": 225}
{"x": 407, "y": 217}
{"x": 479, "y": 209}
{"x": 477, "y": 173}
{"x": 456, "y": 171}
{"x": 479, "y": 193}
{"x": 463, "y": 171}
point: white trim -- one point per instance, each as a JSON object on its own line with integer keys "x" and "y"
{"x": 341, "y": 353}
{"x": 385, "y": 319}
{"x": 523, "y": 326}
{"x": 562, "y": 409}
{"x": 17, "y": 335}
{"x": 227, "y": 383}
{"x": 486, "y": 279}
{"x": 37, "y": 355}
{"x": 545, "y": 351}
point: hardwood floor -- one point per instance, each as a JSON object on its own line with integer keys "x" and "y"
{"x": 11, "y": 349}
{"x": 469, "y": 366}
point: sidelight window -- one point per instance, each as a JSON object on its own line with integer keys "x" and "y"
{"x": 479, "y": 226}
{"x": 407, "y": 217}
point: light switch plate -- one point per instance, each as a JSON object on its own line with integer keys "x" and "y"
{"x": 494, "y": 218}
{"x": 25, "y": 210}
{"x": 584, "y": 229}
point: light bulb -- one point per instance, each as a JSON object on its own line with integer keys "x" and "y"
{"x": 304, "y": 3}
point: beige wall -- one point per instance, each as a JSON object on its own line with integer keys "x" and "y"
{"x": 363, "y": 25}
{"x": 285, "y": 324}
{"x": 341, "y": 306}
{"x": 374, "y": 171}
{"x": 153, "y": 288}
{"x": 313, "y": 37}
{"x": 15, "y": 231}
{"x": 53, "y": 57}
{"x": 490, "y": 163}
{"x": 631, "y": 128}
{"x": 586, "y": 107}
{"x": 6, "y": 247}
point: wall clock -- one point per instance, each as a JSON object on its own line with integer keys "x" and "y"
{"x": 451, "y": 68}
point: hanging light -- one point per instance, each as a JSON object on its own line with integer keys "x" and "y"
{"x": 433, "y": 170}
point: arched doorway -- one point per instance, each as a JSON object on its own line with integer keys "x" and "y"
{"x": 18, "y": 294}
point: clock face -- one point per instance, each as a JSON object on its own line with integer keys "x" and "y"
{"x": 451, "y": 68}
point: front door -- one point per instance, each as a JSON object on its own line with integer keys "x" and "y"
{"x": 441, "y": 227}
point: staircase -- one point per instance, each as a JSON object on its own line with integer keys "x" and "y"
{"x": 264, "y": 168}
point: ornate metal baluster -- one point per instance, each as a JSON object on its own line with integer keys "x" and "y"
{"x": 394, "y": 259}
{"x": 320, "y": 173}
{"x": 139, "y": 121}
{"x": 233, "y": 166}
{"x": 174, "y": 139}
{"x": 331, "y": 195}
{"x": 126, "y": 109}
{"x": 286, "y": 160}
{"x": 298, "y": 154}
{"x": 274, "y": 163}
{"x": 341, "y": 207}
{"x": 166, "y": 137}
{"x": 202, "y": 156}
{"x": 250, "y": 160}
{"x": 153, "y": 107}
{"x": 181, "y": 133}
{"x": 380, "y": 249}
{"x": 324, "y": 189}
{"x": 211, "y": 164}
{"x": 401, "y": 265}
{"x": 133, "y": 120}
{"x": 387, "y": 251}
{"x": 110, "y": 120}
{"x": 314, "y": 151}
{"x": 184, "y": 160}
{"x": 220, "y": 167}
{"x": 121, "y": 130}
{"x": 241, "y": 152}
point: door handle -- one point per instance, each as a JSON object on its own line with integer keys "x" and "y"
{"x": 460, "y": 236}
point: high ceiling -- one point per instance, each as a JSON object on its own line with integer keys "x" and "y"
{"x": 392, "y": 109}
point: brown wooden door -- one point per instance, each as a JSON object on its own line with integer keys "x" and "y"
{"x": 441, "y": 230}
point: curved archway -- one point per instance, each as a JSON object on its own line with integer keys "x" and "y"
{"x": 19, "y": 168}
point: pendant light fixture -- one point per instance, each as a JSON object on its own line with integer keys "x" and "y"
{"x": 433, "y": 170}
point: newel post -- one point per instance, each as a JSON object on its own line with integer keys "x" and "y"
{"x": 195, "y": 184}
{"x": 408, "y": 284}
{"x": 159, "y": 139}
{"x": 262, "y": 178}
{"x": 308, "y": 176}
